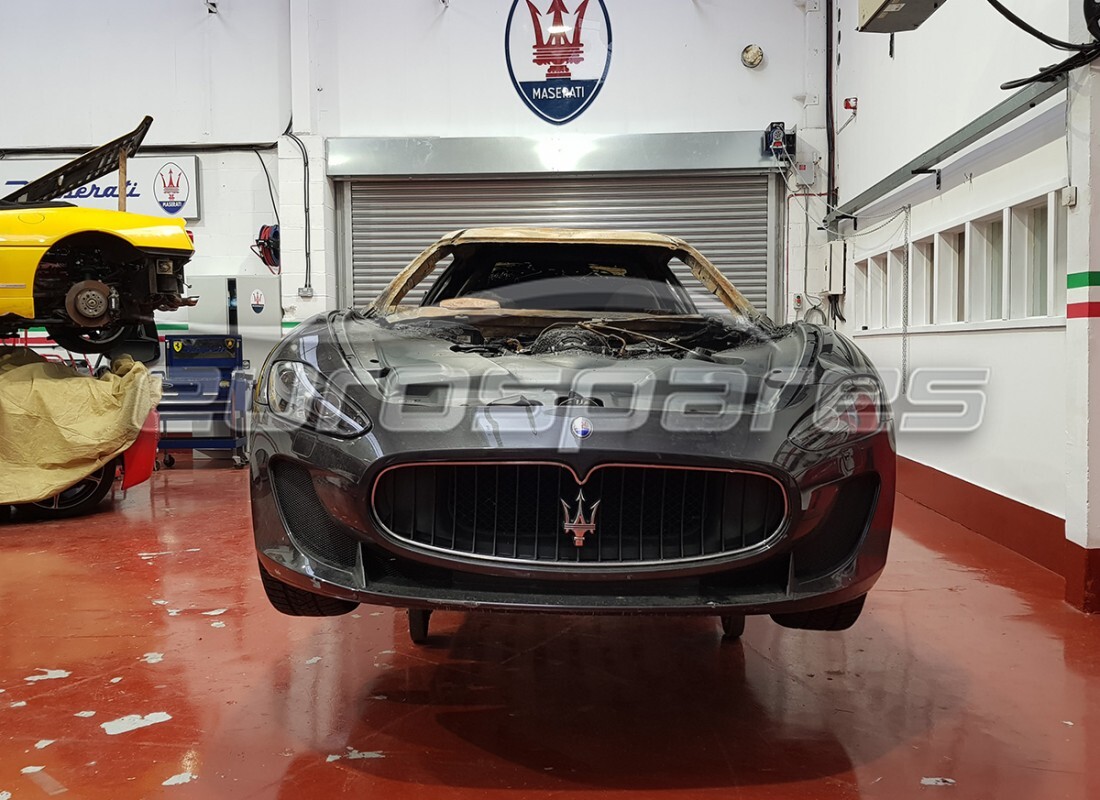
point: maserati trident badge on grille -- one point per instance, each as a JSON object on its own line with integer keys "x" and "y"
{"x": 579, "y": 527}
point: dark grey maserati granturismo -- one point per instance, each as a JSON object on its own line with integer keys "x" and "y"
{"x": 556, "y": 427}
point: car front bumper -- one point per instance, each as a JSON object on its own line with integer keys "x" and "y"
{"x": 832, "y": 549}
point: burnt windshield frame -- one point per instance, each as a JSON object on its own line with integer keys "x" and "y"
{"x": 468, "y": 274}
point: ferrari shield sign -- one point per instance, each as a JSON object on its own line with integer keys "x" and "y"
{"x": 558, "y": 53}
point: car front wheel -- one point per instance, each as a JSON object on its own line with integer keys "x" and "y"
{"x": 295, "y": 602}
{"x": 834, "y": 618}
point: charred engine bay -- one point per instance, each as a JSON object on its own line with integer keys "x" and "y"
{"x": 691, "y": 337}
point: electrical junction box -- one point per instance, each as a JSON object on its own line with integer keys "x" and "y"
{"x": 895, "y": 16}
{"x": 836, "y": 267}
{"x": 805, "y": 172}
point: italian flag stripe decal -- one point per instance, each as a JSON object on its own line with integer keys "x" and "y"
{"x": 1082, "y": 310}
{"x": 1083, "y": 295}
{"x": 1080, "y": 280}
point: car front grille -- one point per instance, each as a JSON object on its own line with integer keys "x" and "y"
{"x": 529, "y": 512}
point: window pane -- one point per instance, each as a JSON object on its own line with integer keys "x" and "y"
{"x": 996, "y": 270}
{"x": 960, "y": 272}
{"x": 1037, "y": 277}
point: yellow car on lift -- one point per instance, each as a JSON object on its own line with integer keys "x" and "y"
{"x": 87, "y": 275}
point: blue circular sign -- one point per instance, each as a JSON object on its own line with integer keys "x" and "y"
{"x": 581, "y": 427}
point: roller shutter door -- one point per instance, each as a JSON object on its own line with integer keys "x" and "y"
{"x": 725, "y": 216}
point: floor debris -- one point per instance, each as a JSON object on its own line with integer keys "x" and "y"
{"x": 936, "y": 782}
{"x": 48, "y": 675}
{"x": 132, "y": 722}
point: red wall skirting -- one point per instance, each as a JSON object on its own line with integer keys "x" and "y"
{"x": 1034, "y": 534}
{"x": 1082, "y": 571}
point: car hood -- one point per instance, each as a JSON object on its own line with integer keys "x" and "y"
{"x": 421, "y": 369}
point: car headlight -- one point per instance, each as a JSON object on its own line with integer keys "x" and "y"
{"x": 297, "y": 392}
{"x": 854, "y": 410}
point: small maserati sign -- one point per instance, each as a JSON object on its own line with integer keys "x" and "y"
{"x": 558, "y": 52}
{"x": 171, "y": 187}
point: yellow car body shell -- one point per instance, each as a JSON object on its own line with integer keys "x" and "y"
{"x": 27, "y": 234}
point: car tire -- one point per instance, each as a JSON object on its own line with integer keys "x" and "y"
{"x": 80, "y": 498}
{"x": 733, "y": 625}
{"x": 295, "y": 602}
{"x": 99, "y": 341}
{"x": 834, "y": 618}
{"x": 418, "y": 625}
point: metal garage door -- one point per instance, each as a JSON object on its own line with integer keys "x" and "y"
{"x": 725, "y": 216}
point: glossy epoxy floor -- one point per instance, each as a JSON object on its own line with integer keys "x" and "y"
{"x": 139, "y": 659}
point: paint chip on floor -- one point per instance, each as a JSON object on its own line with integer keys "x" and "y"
{"x": 31, "y": 770}
{"x": 42, "y": 744}
{"x": 313, "y": 660}
{"x": 217, "y": 612}
{"x": 116, "y": 680}
{"x": 1067, "y": 723}
{"x": 936, "y": 782}
{"x": 217, "y": 624}
{"x": 18, "y": 704}
{"x": 5, "y": 795}
{"x": 48, "y": 675}
{"x": 153, "y": 658}
{"x": 183, "y": 777}
{"x": 355, "y": 755}
{"x": 84, "y": 714}
{"x": 173, "y": 612}
{"x": 160, "y": 602}
{"x": 131, "y": 722}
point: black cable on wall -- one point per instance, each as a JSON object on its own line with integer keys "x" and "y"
{"x": 307, "y": 289}
{"x": 830, "y": 93}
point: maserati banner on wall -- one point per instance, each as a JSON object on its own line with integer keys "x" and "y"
{"x": 558, "y": 53}
{"x": 162, "y": 186}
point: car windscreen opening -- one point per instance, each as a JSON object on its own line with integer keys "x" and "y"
{"x": 564, "y": 277}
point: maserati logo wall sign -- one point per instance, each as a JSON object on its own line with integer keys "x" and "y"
{"x": 578, "y": 527}
{"x": 171, "y": 187}
{"x": 558, "y": 54}
{"x": 581, "y": 427}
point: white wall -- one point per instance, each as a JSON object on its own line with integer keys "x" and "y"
{"x": 943, "y": 75}
{"x": 82, "y": 73}
{"x": 235, "y": 203}
{"x": 1020, "y": 449}
{"x": 423, "y": 69}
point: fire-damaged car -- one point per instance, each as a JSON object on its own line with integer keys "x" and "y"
{"x": 554, "y": 426}
{"x": 87, "y": 275}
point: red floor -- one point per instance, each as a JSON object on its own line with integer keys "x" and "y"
{"x": 967, "y": 667}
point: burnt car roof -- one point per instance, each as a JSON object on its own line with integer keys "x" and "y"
{"x": 703, "y": 270}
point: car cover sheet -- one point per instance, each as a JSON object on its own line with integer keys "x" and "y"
{"x": 58, "y": 425}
